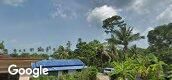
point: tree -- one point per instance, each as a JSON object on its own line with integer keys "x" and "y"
{"x": 160, "y": 40}
{"x": 2, "y": 48}
{"x": 111, "y": 47}
{"x": 54, "y": 49}
{"x": 142, "y": 67}
{"x": 120, "y": 32}
{"x": 125, "y": 35}
{"x": 161, "y": 37}
{"x": 40, "y": 49}
{"x": 47, "y": 49}
{"x": 25, "y": 55}
{"x": 15, "y": 50}
{"x": 24, "y": 50}
{"x": 103, "y": 57}
{"x": 31, "y": 49}
{"x": 20, "y": 50}
{"x": 88, "y": 52}
{"x": 60, "y": 53}
{"x": 2, "y": 45}
{"x": 68, "y": 44}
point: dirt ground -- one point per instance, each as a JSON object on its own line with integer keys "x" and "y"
{"x": 101, "y": 76}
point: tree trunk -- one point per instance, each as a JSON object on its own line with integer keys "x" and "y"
{"x": 125, "y": 48}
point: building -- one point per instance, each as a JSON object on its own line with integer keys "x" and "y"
{"x": 60, "y": 67}
{"x": 6, "y": 61}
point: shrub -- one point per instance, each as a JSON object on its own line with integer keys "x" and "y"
{"x": 87, "y": 74}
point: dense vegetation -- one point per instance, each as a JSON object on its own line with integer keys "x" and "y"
{"x": 87, "y": 74}
{"x": 129, "y": 62}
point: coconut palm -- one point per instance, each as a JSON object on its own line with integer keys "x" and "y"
{"x": 120, "y": 32}
{"x": 124, "y": 35}
{"x": 111, "y": 47}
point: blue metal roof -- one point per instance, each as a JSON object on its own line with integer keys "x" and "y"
{"x": 66, "y": 68}
{"x": 58, "y": 63}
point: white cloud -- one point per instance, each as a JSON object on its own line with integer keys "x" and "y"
{"x": 63, "y": 10}
{"x": 148, "y": 6}
{"x": 139, "y": 6}
{"x": 166, "y": 15}
{"x": 145, "y": 33}
{"x": 13, "y": 2}
{"x": 99, "y": 14}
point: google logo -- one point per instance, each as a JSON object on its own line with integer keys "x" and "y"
{"x": 36, "y": 72}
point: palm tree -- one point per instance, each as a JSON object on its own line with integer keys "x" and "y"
{"x": 20, "y": 50}
{"x": 2, "y": 45}
{"x": 15, "y": 50}
{"x": 31, "y": 49}
{"x": 120, "y": 33}
{"x": 47, "y": 49}
{"x": 124, "y": 35}
{"x": 24, "y": 50}
{"x": 60, "y": 53}
{"x": 111, "y": 47}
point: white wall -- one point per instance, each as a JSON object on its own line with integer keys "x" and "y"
{"x": 59, "y": 73}
{"x": 71, "y": 71}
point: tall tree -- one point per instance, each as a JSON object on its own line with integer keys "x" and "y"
{"x": 2, "y": 45}
{"x": 160, "y": 40}
{"x": 15, "y": 51}
{"x": 60, "y": 53}
{"x": 31, "y": 49}
{"x": 68, "y": 45}
{"x": 111, "y": 47}
{"x": 120, "y": 32}
{"x": 125, "y": 35}
{"x": 161, "y": 37}
{"x": 2, "y": 48}
{"x": 24, "y": 50}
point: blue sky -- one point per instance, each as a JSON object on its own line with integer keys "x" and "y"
{"x": 34, "y": 23}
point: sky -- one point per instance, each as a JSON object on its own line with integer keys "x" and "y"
{"x": 34, "y": 23}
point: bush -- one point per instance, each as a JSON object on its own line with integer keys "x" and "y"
{"x": 45, "y": 78}
{"x": 87, "y": 74}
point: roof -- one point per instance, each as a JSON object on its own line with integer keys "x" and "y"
{"x": 66, "y": 68}
{"x": 4, "y": 56}
{"x": 21, "y": 63}
{"x": 58, "y": 63}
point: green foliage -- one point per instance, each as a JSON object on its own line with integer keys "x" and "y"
{"x": 144, "y": 67}
{"x": 61, "y": 52}
{"x": 120, "y": 32}
{"x": 160, "y": 40}
{"x": 169, "y": 72}
{"x": 161, "y": 37}
{"x": 45, "y": 78}
{"x": 131, "y": 63}
{"x": 2, "y": 48}
{"x": 87, "y": 74}
{"x": 88, "y": 53}
{"x": 2, "y": 45}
